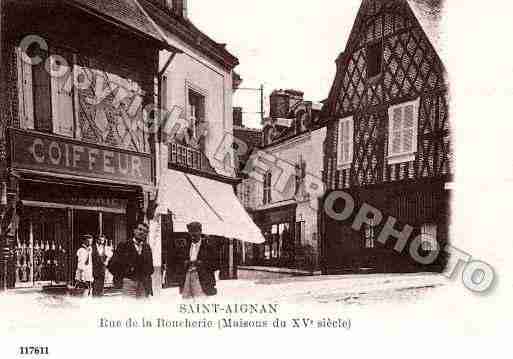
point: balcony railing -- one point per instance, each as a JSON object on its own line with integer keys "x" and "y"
{"x": 189, "y": 158}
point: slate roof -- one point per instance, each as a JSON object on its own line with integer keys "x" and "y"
{"x": 126, "y": 12}
{"x": 429, "y": 13}
{"x": 184, "y": 29}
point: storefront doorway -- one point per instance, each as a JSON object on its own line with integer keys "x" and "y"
{"x": 52, "y": 225}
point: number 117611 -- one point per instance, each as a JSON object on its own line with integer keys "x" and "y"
{"x": 33, "y": 350}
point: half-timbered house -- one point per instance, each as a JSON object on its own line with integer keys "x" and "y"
{"x": 388, "y": 143}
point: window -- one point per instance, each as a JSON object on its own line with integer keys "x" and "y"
{"x": 44, "y": 91}
{"x": 374, "y": 59}
{"x": 196, "y": 115}
{"x": 245, "y": 194}
{"x": 278, "y": 248}
{"x": 300, "y": 122}
{"x": 345, "y": 142}
{"x": 300, "y": 232}
{"x": 267, "y": 187}
{"x": 370, "y": 235}
{"x": 300, "y": 173}
{"x": 402, "y": 132}
{"x": 428, "y": 237}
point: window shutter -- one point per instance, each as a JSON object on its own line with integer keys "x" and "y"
{"x": 340, "y": 152}
{"x": 345, "y": 141}
{"x": 396, "y": 130}
{"x": 25, "y": 94}
{"x": 428, "y": 237}
{"x": 350, "y": 134}
{"x": 62, "y": 97}
{"x": 408, "y": 129}
{"x": 42, "y": 95}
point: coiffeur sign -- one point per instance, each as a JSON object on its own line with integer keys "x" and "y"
{"x": 46, "y": 153}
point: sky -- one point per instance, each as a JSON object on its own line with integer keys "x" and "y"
{"x": 280, "y": 43}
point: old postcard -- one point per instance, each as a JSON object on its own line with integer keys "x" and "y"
{"x": 247, "y": 178}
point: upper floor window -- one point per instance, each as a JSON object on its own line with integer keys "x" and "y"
{"x": 374, "y": 59}
{"x": 196, "y": 116}
{"x": 44, "y": 91}
{"x": 196, "y": 110}
{"x": 345, "y": 142}
{"x": 268, "y": 134}
{"x": 245, "y": 194}
{"x": 72, "y": 95}
{"x": 403, "y": 132}
{"x": 267, "y": 187}
{"x": 370, "y": 235}
{"x": 428, "y": 237}
{"x": 300, "y": 122}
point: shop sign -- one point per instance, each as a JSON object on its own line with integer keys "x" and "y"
{"x": 48, "y": 153}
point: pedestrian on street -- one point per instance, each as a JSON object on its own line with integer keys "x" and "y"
{"x": 84, "y": 272}
{"x": 132, "y": 263}
{"x": 100, "y": 257}
{"x": 195, "y": 261}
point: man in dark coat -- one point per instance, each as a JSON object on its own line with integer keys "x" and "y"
{"x": 195, "y": 261}
{"x": 133, "y": 264}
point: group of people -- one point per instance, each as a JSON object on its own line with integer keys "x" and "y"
{"x": 93, "y": 257}
{"x": 131, "y": 264}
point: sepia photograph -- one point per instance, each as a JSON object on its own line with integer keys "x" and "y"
{"x": 171, "y": 170}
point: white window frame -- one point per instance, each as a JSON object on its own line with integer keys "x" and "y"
{"x": 393, "y": 132}
{"x": 192, "y": 120}
{"x": 428, "y": 237}
{"x": 25, "y": 94}
{"x": 344, "y": 162}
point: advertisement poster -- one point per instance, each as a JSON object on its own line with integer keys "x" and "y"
{"x": 255, "y": 179}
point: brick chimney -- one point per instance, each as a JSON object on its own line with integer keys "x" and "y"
{"x": 237, "y": 116}
{"x": 179, "y": 7}
{"x": 282, "y": 101}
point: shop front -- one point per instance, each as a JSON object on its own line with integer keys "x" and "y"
{"x": 279, "y": 228}
{"x": 67, "y": 189}
{"x": 422, "y": 206}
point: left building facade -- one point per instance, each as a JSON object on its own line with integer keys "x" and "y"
{"x": 75, "y": 154}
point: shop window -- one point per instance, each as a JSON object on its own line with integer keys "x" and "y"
{"x": 428, "y": 237}
{"x": 345, "y": 142}
{"x": 403, "y": 132}
{"x": 44, "y": 91}
{"x": 300, "y": 230}
{"x": 374, "y": 59}
{"x": 279, "y": 246}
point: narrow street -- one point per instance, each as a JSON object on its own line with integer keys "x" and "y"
{"x": 362, "y": 290}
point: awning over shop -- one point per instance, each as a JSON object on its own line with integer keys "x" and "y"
{"x": 191, "y": 198}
